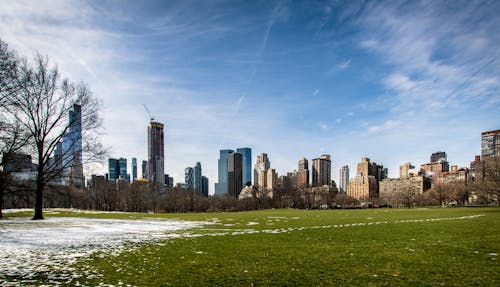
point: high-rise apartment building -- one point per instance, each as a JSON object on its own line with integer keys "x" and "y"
{"x": 434, "y": 169}
{"x": 404, "y": 169}
{"x": 490, "y": 145}
{"x": 247, "y": 164}
{"x": 439, "y": 156}
{"x": 156, "y": 156}
{"x": 234, "y": 173}
{"x": 134, "y": 168}
{"x": 303, "y": 173}
{"x": 366, "y": 183}
{"x": 271, "y": 179}
{"x": 343, "y": 179}
{"x": 72, "y": 149}
{"x": 262, "y": 165}
{"x": 197, "y": 179}
{"x": 221, "y": 185}
{"x": 322, "y": 171}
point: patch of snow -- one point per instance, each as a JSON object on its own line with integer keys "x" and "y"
{"x": 16, "y": 210}
{"x": 50, "y": 247}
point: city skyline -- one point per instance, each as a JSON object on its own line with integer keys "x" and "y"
{"x": 376, "y": 80}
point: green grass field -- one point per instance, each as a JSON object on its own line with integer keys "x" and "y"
{"x": 371, "y": 247}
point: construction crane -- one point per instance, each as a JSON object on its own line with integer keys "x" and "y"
{"x": 149, "y": 113}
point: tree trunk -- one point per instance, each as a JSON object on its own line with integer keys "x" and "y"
{"x": 39, "y": 187}
{"x": 1, "y": 201}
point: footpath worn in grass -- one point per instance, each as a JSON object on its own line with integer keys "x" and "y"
{"x": 372, "y": 247}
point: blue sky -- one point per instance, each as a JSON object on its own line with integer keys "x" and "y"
{"x": 393, "y": 81}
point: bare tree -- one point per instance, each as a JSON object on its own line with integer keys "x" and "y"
{"x": 440, "y": 192}
{"x": 407, "y": 196}
{"x": 41, "y": 105}
{"x": 488, "y": 184}
{"x": 12, "y": 137}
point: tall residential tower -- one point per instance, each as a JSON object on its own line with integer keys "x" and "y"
{"x": 343, "y": 179}
{"x": 156, "y": 157}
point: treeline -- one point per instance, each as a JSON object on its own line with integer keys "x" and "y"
{"x": 141, "y": 197}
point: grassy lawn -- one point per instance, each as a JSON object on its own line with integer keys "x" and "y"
{"x": 371, "y": 247}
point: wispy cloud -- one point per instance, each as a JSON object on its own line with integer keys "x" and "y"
{"x": 345, "y": 65}
{"x": 387, "y": 125}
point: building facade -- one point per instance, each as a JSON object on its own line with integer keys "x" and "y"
{"x": 247, "y": 164}
{"x": 363, "y": 187}
{"x": 122, "y": 162}
{"x": 134, "y": 168}
{"x": 197, "y": 178}
{"x": 156, "y": 155}
{"x": 321, "y": 171}
{"x": 490, "y": 145}
{"x": 144, "y": 169}
{"x": 188, "y": 178}
{"x": 262, "y": 165}
{"x": 366, "y": 183}
{"x": 303, "y": 173}
{"x": 221, "y": 185}
{"x": 439, "y": 156}
{"x": 404, "y": 170}
{"x": 234, "y": 173}
{"x": 113, "y": 168}
{"x": 343, "y": 179}
{"x": 204, "y": 186}
{"x": 71, "y": 154}
{"x": 391, "y": 186}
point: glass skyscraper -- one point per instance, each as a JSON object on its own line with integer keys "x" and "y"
{"x": 247, "y": 164}
{"x": 188, "y": 177}
{"x": 72, "y": 149}
{"x": 221, "y": 185}
{"x": 113, "y": 168}
{"x": 197, "y": 180}
{"x": 134, "y": 168}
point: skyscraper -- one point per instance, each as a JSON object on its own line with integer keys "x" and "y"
{"x": 322, "y": 171}
{"x": 247, "y": 164}
{"x": 113, "y": 168}
{"x": 123, "y": 167}
{"x": 156, "y": 157}
{"x": 134, "y": 168}
{"x": 234, "y": 173}
{"x": 221, "y": 185}
{"x": 197, "y": 179}
{"x": 303, "y": 173}
{"x": 188, "y": 177}
{"x": 144, "y": 169}
{"x": 204, "y": 185}
{"x": 72, "y": 149}
{"x": 490, "y": 145}
{"x": 343, "y": 179}
{"x": 262, "y": 165}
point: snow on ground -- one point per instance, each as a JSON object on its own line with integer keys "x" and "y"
{"x": 47, "y": 248}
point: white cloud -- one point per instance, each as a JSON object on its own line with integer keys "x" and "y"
{"x": 387, "y": 125}
{"x": 316, "y": 92}
{"x": 323, "y": 126}
{"x": 345, "y": 65}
